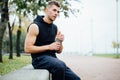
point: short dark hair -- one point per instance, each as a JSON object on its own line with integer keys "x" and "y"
{"x": 53, "y": 2}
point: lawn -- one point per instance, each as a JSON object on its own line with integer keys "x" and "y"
{"x": 14, "y": 64}
{"x": 107, "y": 55}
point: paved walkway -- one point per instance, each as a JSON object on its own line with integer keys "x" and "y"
{"x": 93, "y": 68}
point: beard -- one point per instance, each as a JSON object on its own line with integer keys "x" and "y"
{"x": 51, "y": 19}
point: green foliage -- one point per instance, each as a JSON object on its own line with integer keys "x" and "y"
{"x": 12, "y": 65}
{"x": 114, "y": 44}
{"x": 33, "y": 6}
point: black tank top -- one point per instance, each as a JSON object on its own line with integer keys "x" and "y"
{"x": 47, "y": 34}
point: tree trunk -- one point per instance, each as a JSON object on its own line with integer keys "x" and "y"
{"x": 18, "y": 39}
{"x": 18, "y": 43}
{"x": 2, "y": 30}
{"x": 3, "y": 23}
{"x": 10, "y": 41}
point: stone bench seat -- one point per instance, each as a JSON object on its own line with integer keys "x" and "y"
{"x": 27, "y": 73}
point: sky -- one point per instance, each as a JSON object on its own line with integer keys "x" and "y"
{"x": 94, "y": 28}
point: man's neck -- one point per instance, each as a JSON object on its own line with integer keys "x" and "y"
{"x": 47, "y": 20}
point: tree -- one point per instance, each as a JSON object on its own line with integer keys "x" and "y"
{"x": 18, "y": 38}
{"x": 3, "y": 22}
{"x": 114, "y": 44}
{"x": 10, "y": 41}
{"x": 33, "y": 6}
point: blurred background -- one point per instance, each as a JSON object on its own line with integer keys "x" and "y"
{"x": 90, "y": 26}
{"x": 94, "y": 30}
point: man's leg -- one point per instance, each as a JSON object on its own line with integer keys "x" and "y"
{"x": 57, "y": 67}
{"x": 70, "y": 75}
{"x": 60, "y": 71}
{"x": 53, "y": 65}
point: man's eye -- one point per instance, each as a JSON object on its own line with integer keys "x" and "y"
{"x": 56, "y": 11}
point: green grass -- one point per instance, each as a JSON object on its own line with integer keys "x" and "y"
{"x": 107, "y": 55}
{"x": 14, "y": 64}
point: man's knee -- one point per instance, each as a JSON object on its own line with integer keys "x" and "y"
{"x": 73, "y": 77}
{"x": 60, "y": 65}
{"x": 77, "y": 78}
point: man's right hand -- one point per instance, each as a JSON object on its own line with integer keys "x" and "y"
{"x": 54, "y": 46}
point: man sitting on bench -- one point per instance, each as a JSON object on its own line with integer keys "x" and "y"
{"x": 40, "y": 43}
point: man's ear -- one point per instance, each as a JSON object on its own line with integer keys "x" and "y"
{"x": 46, "y": 9}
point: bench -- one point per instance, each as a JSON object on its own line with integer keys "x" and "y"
{"x": 27, "y": 73}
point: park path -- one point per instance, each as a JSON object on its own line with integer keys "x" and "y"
{"x": 93, "y": 68}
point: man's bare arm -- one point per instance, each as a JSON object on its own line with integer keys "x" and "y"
{"x": 31, "y": 36}
{"x": 29, "y": 46}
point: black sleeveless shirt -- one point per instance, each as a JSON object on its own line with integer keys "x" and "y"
{"x": 47, "y": 34}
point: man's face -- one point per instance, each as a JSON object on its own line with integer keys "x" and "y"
{"x": 52, "y": 12}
